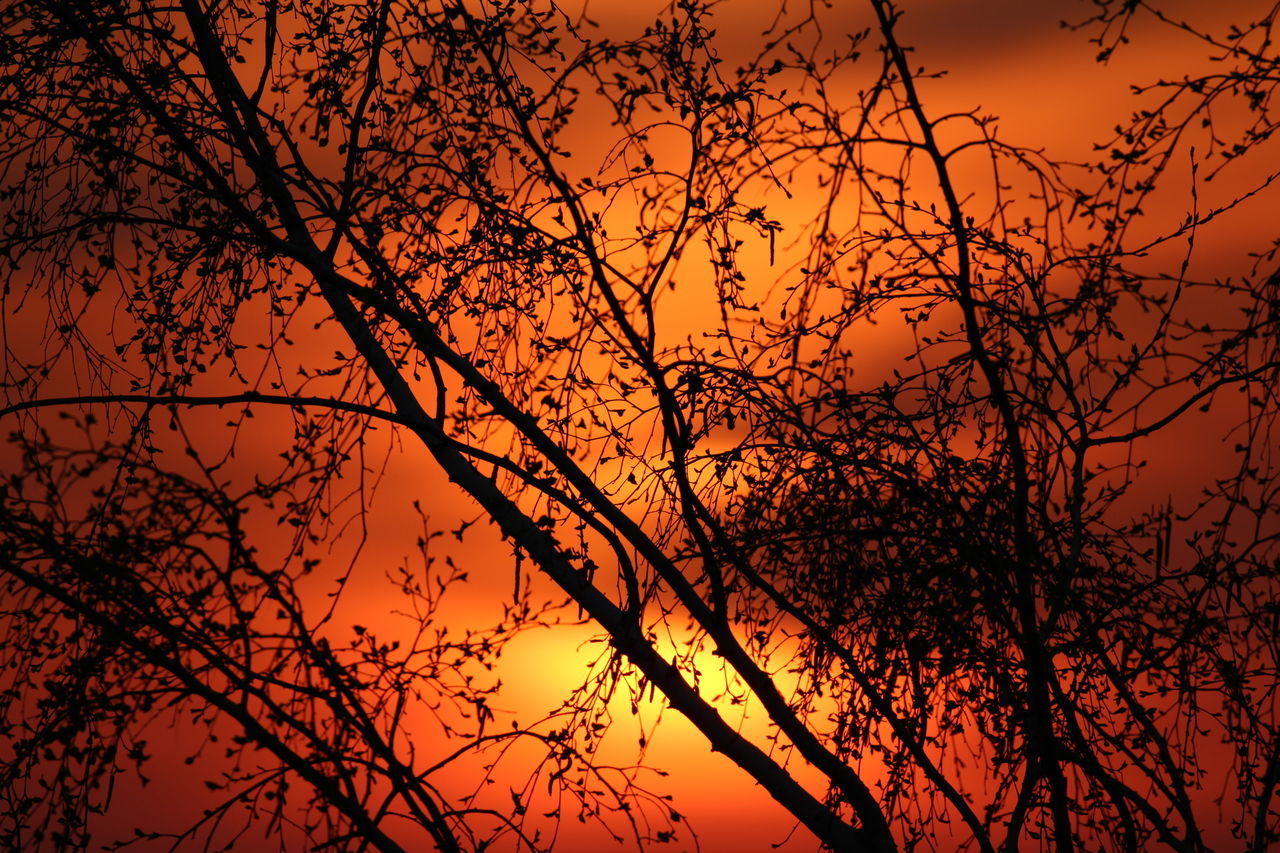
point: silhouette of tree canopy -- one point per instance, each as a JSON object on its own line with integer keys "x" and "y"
{"x": 763, "y": 352}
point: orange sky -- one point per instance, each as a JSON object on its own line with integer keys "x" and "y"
{"x": 1005, "y": 57}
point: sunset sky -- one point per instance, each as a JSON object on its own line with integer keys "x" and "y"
{"x": 1009, "y": 59}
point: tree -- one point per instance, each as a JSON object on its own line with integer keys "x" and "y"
{"x": 504, "y": 219}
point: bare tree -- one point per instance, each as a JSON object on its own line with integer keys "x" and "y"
{"x": 506, "y": 220}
